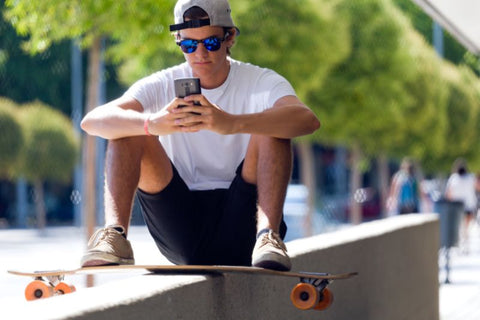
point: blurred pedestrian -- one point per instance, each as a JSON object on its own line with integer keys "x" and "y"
{"x": 461, "y": 186}
{"x": 477, "y": 193}
{"x": 404, "y": 195}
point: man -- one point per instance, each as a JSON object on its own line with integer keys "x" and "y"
{"x": 211, "y": 178}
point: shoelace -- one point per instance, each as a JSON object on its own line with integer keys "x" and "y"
{"x": 102, "y": 234}
{"x": 274, "y": 239}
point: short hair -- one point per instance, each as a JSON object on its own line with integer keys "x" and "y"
{"x": 195, "y": 13}
{"x": 460, "y": 166}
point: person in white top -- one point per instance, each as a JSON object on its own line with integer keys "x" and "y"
{"x": 211, "y": 177}
{"x": 461, "y": 186}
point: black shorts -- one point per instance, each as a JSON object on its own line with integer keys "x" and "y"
{"x": 211, "y": 227}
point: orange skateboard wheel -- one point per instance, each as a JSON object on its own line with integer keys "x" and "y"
{"x": 63, "y": 288}
{"x": 326, "y": 300}
{"x": 304, "y": 296}
{"x": 38, "y": 289}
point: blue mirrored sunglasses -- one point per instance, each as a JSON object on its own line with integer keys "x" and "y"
{"x": 212, "y": 43}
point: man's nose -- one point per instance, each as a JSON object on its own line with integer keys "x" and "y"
{"x": 201, "y": 50}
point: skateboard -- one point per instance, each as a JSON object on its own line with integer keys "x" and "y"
{"x": 311, "y": 292}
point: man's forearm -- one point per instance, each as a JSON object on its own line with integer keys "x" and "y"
{"x": 281, "y": 122}
{"x": 110, "y": 122}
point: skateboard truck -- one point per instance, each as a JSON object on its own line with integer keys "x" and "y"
{"x": 44, "y": 287}
{"x": 312, "y": 293}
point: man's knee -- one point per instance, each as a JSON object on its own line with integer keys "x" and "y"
{"x": 275, "y": 151}
{"x": 260, "y": 141}
{"x": 266, "y": 151}
{"x": 127, "y": 143}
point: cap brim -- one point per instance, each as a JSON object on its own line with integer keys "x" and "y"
{"x": 190, "y": 24}
{"x": 194, "y": 24}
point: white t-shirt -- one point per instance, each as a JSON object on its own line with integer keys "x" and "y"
{"x": 462, "y": 188}
{"x": 207, "y": 160}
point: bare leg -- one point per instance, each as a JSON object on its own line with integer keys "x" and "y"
{"x": 268, "y": 164}
{"x": 134, "y": 162}
{"x": 465, "y": 235}
{"x": 130, "y": 163}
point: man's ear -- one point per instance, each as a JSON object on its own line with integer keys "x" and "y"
{"x": 230, "y": 37}
{"x": 177, "y": 36}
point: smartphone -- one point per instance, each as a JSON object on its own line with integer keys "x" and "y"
{"x": 187, "y": 86}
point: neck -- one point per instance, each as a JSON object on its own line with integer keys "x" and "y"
{"x": 216, "y": 79}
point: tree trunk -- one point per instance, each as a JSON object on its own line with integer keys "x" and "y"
{"x": 307, "y": 177}
{"x": 41, "y": 212}
{"x": 383, "y": 183}
{"x": 21, "y": 200}
{"x": 355, "y": 185}
{"x": 76, "y": 78}
{"x": 89, "y": 151}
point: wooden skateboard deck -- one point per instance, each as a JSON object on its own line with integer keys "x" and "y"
{"x": 310, "y": 293}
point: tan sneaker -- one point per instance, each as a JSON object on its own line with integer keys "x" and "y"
{"x": 108, "y": 246}
{"x": 270, "y": 252}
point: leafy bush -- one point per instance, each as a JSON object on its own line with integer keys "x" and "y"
{"x": 11, "y": 137}
{"x": 51, "y": 147}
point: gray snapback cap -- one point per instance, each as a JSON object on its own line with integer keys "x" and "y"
{"x": 219, "y": 14}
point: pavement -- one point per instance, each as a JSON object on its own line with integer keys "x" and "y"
{"x": 61, "y": 248}
{"x": 460, "y": 298}
{"x": 54, "y": 249}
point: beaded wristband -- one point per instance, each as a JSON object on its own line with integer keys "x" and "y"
{"x": 145, "y": 126}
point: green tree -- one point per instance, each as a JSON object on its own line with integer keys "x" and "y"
{"x": 22, "y": 77}
{"x": 50, "y": 151}
{"x": 135, "y": 29}
{"x": 132, "y": 26}
{"x": 303, "y": 50}
{"x": 473, "y": 80}
{"x": 467, "y": 62}
{"x": 423, "y": 126}
{"x": 11, "y": 137}
{"x": 462, "y": 111}
{"x": 365, "y": 94}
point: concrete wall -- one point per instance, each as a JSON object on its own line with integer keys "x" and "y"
{"x": 396, "y": 258}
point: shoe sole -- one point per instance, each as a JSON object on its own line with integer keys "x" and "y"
{"x": 102, "y": 259}
{"x": 271, "y": 261}
{"x": 271, "y": 265}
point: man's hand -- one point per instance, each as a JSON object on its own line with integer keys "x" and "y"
{"x": 288, "y": 118}
{"x": 197, "y": 113}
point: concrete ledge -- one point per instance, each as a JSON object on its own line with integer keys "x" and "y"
{"x": 397, "y": 259}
